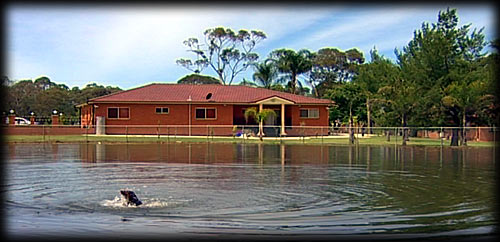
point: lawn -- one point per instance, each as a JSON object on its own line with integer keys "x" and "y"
{"x": 374, "y": 140}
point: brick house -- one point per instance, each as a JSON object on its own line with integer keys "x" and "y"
{"x": 198, "y": 109}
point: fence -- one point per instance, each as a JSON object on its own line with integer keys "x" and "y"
{"x": 444, "y": 133}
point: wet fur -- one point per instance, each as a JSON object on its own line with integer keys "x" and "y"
{"x": 130, "y": 197}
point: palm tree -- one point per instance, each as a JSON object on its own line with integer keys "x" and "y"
{"x": 292, "y": 63}
{"x": 259, "y": 117}
{"x": 265, "y": 73}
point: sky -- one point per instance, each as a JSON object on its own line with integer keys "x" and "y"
{"x": 133, "y": 45}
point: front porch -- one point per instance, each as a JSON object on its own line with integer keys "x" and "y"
{"x": 273, "y": 125}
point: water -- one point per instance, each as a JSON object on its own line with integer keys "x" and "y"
{"x": 248, "y": 190}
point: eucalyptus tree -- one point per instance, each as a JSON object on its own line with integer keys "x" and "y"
{"x": 226, "y": 52}
{"x": 332, "y": 66}
{"x": 292, "y": 64}
{"x": 22, "y": 97}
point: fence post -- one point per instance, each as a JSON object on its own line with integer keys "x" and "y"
{"x": 243, "y": 133}
{"x": 322, "y": 136}
{"x": 441, "y": 135}
{"x": 126, "y": 133}
{"x": 396, "y": 135}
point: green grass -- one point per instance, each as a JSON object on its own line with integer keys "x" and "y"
{"x": 375, "y": 140}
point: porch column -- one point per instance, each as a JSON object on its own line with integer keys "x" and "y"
{"x": 261, "y": 128}
{"x": 283, "y": 119}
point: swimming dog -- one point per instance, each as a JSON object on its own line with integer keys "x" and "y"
{"x": 130, "y": 197}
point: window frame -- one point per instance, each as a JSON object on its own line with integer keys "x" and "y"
{"x": 309, "y": 113}
{"x": 168, "y": 110}
{"x": 118, "y": 113}
{"x": 205, "y": 112}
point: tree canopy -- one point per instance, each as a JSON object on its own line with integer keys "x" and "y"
{"x": 42, "y": 96}
{"x": 198, "y": 79}
{"x": 226, "y": 52}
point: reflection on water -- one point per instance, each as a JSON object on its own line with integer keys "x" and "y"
{"x": 249, "y": 189}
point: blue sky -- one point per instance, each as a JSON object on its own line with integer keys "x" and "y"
{"x": 130, "y": 46}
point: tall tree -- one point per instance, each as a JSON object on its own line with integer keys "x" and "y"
{"x": 434, "y": 59}
{"x": 371, "y": 77}
{"x": 331, "y": 66}
{"x": 265, "y": 73}
{"x": 348, "y": 101}
{"x": 292, "y": 64}
{"x": 226, "y": 52}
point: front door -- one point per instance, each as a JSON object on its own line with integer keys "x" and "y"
{"x": 272, "y": 124}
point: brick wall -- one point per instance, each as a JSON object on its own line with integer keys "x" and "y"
{"x": 46, "y": 130}
{"x": 472, "y": 134}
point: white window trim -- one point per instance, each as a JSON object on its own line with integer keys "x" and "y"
{"x": 162, "y": 110}
{"x": 309, "y": 113}
{"x": 107, "y": 113}
{"x": 205, "y": 108}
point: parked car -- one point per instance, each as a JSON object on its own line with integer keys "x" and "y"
{"x": 19, "y": 121}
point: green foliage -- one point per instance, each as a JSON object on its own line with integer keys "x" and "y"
{"x": 291, "y": 64}
{"x": 258, "y": 116}
{"x": 225, "y": 51}
{"x": 42, "y": 96}
{"x": 331, "y": 66}
{"x": 443, "y": 60}
{"x": 245, "y": 82}
{"x": 348, "y": 101}
{"x": 198, "y": 79}
{"x": 265, "y": 73}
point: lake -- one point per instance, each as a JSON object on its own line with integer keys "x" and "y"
{"x": 219, "y": 190}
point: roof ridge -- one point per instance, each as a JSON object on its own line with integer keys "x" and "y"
{"x": 122, "y": 91}
{"x": 175, "y": 91}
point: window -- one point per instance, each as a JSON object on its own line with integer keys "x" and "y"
{"x": 118, "y": 113}
{"x": 162, "y": 110}
{"x": 309, "y": 113}
{"x": 206, "y": 113}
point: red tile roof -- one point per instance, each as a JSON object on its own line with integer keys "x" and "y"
{"x": 220, "y": 94}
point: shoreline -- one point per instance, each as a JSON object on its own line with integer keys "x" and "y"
{"x": 325, "y": 140}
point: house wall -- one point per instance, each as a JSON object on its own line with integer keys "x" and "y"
{"x": 302, "y": 126}
{"x": 474, "y": 134}
{"x": 86, "y": 116}
{"x": 143, "y": 119}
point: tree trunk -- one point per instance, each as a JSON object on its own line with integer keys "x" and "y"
{"x": 294, "y": 82}
{"x": 368, "y": 115}
{"x": 388, "y": 135}
{"x": 454, "y": 137}
{"x": 405, "y": 134}
{"x": 315, "y": 90}
{"x": 464, "y": 124}
{"x": 351, "y": 129}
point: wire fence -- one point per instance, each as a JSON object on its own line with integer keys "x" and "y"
{"x": 254, "y": 131}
